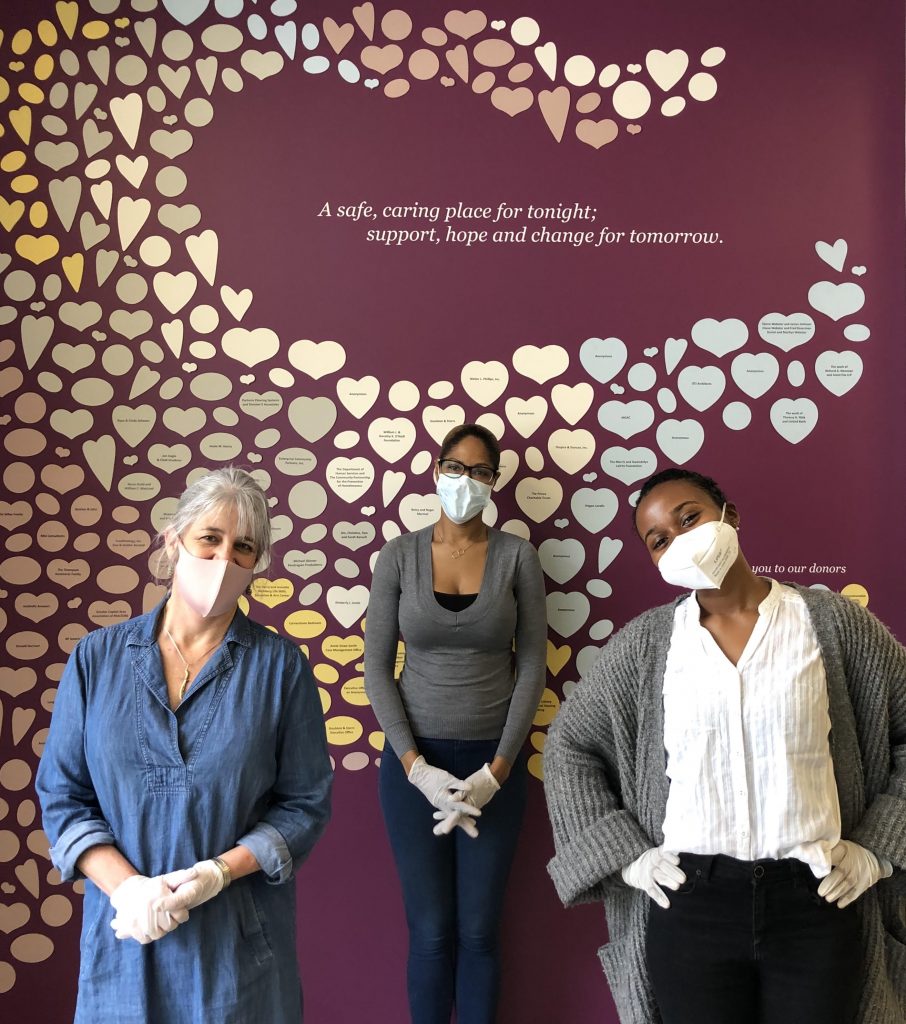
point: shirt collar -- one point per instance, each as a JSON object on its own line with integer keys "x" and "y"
{"x": 143, "y": 628}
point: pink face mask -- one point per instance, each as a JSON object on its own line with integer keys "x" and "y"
{"x": 209, "y": 586}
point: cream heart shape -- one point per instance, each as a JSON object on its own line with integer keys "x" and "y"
{"x": 304, "y": 563}
{"x": 561, "y": 559}
{"x": 281, "y": 528}
{"x": 794, "y": 418}
{"x": 101, "y": 458}
{"x": 701, "y": 386}
{"x": 358, "y": 396}
{"x": 572, "y": 402}
{"x": 203, "y": 249}
{"x": 546, "y": 55}
{"x": 144, "y": 379}
{"x": 567, "y": 613}
{"x": 102, "y": 194}
{"x": 80, "y": 315}
{"x": 134, "y": 424}
{"x": 392, "y": 439}
{"x": 174, "y": 290}
{"x": 260, "y": 406}
{"x": 169, "y": 458}
{"x": 539, "y": 498}
{"x": 36, "y": 333}
{"x": 720, "y": 337}
{"x": 349, "y": 479}
{"x": 391, "y": 485}
{"x": 571, "y": 450}
{"x": 628, "y": 464}
{"x": 833, "y": 255}
{"x": 347, "y": 605}
{"x": 236, "y": 302}
{"x": 786, "y": 332}
{"x": 839, "y": 372}
{"x": 509, "y": 463}
{"x": 603, "y": 358}
{"x": 625, "y": 419}
{"x": 440, "y": 421}
{"x": 184, "y": 421}
{"x": 172, "y": 332}
{"x": 353, "y": 535}
{"x": 755, "y": 375}
{"x": 526, "y": 415}
{"x": 418, "y": 510}
{"x": 312, "y": 418}
{"x": 71, "y": 424}
{"x": 836, "y": 300}
{"x": 666, "y": 68}
{"x": 594, "y": 508}
{"x": 133, "y": 171}
{"x": 540, "y": 364}
{"x": 608, "y": 550}
{"x": 131, "y": 215}
{"x": 674, "y": 350}
{"x": 250, "y": 347}
{"x": 680, "y": 440}
{"x": 127, "y": 116}
{"x": 317, "y": 358}
{"x": 72, "y": 357}
{"x": 484, "y": 383}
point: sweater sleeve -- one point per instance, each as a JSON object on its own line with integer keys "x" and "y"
{"x": 876, "y": 674}
{"x": 531, "y": 652}
{"x": 594, "y": 834}
{"x": 382, "y": 633}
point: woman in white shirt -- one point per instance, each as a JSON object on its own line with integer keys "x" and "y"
{"x": 731, "y": 780}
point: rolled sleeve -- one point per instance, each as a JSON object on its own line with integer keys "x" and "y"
{"x": 80, "y": 837}
{"x": 270, "y": 850}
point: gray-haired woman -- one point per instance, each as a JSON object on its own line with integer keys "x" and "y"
{"x": 187, "y": 760}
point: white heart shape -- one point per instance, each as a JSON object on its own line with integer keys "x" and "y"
{"x": 680, "y": 440}
{"x": 755, "y": 375}
{"x": 594, "y": 508}
{"x": 839, "y": 372}
{"x": 786, "y": 332}
{"x": 720, "y": 336}
{"x": 794, "y": 418}
{"x": 836, "y": 300}
{"x": 626, "y": 419}
{"x": 701, "y": 386}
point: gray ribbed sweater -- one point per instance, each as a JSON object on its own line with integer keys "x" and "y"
{"x": 461, "y": 679}
{"x": 606, "y": 787}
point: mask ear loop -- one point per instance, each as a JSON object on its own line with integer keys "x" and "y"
{"x": 723, "y": 513}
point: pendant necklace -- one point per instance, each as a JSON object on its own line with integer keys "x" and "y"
{"x": 184, "y": 685}
{"x": 456, "y": 553}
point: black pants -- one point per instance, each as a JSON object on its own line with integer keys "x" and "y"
{"x": 751, "y": 942}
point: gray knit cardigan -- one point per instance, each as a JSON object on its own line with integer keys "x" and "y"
{"x": 606, "y": 787}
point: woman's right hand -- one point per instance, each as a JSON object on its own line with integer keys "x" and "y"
{"x": 441, "y": 789}
{"x": 137, "y": 916}
{"x": 656, "y": 867}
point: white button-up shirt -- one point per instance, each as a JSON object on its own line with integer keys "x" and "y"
{"x": 747, "y": 746}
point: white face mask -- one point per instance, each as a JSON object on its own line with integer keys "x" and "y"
{"x": 461, "y": 497}
{"x": 701, "y": 558}
{"x": 209, "y": 586}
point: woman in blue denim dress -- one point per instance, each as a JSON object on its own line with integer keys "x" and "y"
{"x": 186, "y": 777}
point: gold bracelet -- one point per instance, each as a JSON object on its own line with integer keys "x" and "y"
{"x": 224, "y": 870}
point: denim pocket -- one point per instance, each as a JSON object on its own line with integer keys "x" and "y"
{"x": 251, "y": 924}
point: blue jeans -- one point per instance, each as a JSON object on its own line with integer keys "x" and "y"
{"x": 752, "y": 942}
{"x": 453, "y": 886}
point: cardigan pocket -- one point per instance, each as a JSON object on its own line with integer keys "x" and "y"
{"x": 627, "y": 975}
{"x": 896, "y": 968}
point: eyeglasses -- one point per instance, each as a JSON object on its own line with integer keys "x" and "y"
{"x": 483, "y": 474}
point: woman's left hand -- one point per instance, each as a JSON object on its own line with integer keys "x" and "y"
{"x": 854, "y": 871}
{"x": 192, "y": 886}
{"x": 484, "y": 786}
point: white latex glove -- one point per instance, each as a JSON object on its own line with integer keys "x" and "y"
{"x": 447, "y": 822}
{"x": 137, "y": 916}
{"x": 854, "y": 870}
{"x": 441, "y": 789}
{"x": 191, "y": 887}
{"x": 653, "y": 869}
{"x": 484, "y": 786}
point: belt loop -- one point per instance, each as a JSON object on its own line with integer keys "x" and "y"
{"x": 707, "y": 867}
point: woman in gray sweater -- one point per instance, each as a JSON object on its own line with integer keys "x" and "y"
{"x": 469, "y": 603}
{"x": 730, "y": 780}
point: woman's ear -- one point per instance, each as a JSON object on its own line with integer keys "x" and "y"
{"x": 171, "y": 544}
{"x": 732, "y": 515}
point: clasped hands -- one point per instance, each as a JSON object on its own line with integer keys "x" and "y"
{"x": 458, "y": 801}
{"x": 149, "y": 908}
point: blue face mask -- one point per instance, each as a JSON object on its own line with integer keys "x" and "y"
{"x": 461, "y": 497}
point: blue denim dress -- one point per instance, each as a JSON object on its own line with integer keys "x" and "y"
{"x": 243, "y": 760}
